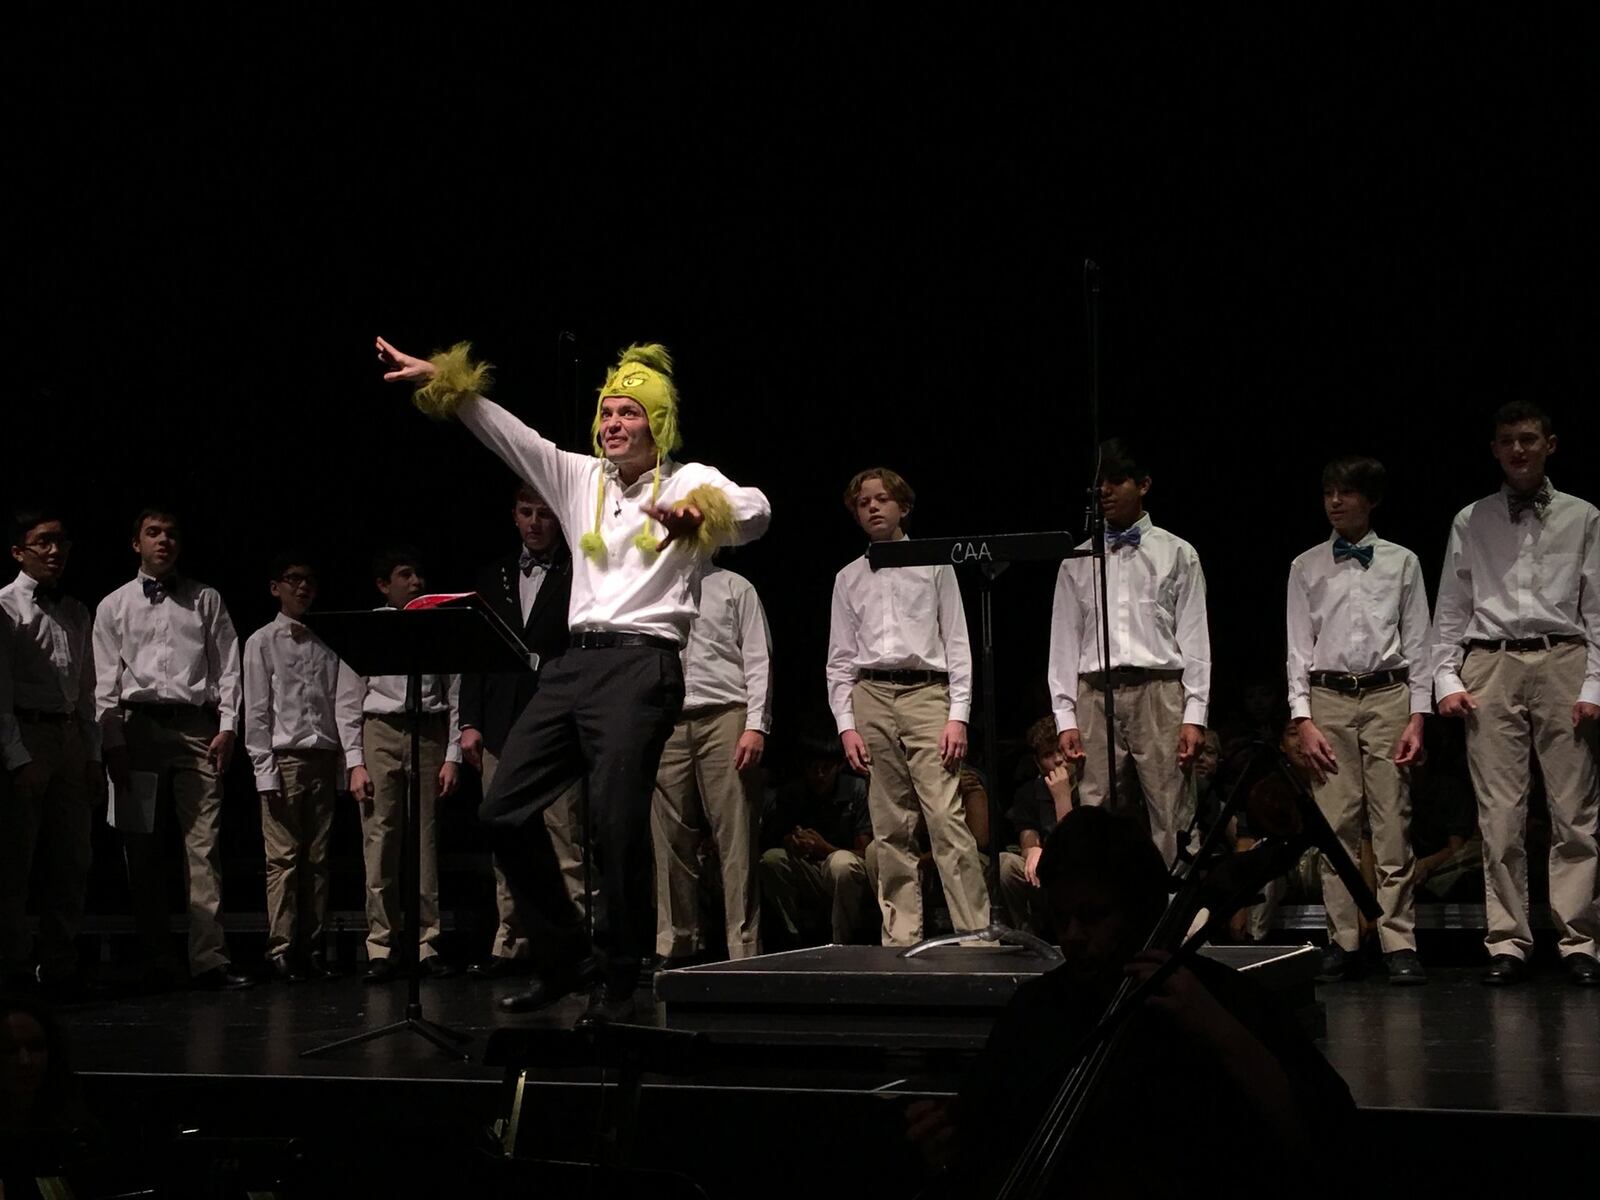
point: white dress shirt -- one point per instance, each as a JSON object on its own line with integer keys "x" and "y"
{"x": 13, "y": 753}
{"x": 52, "y": 658}
{"x": 362, "y": 696}
{"x": 1503, "y": 580}
{"x": 633, "y": 592}
{"x": 291, "y": 680}
{"x": 728, "y": 659}
{"x": 528, "y": 586}
{"x": 1353, "y": 619}
{"x": 176, "y": 648}
{"x": 1157, "y": 595}
{"x": 897, "y": 619}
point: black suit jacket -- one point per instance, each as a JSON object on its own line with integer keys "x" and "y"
{"x": 492, "y": 703}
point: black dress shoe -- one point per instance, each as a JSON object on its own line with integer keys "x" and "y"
{"x": 1405, "y": 968}
{"x": 435, "y": 967}
{"x": 379, "y": 970}
{"x": 547, "y": 988}
{"x": 1583, "y": 969}
{"x": 496, "y": 966}
{"x": 1336, "y": 963}
{"x": 223, "y": 979}
{"x": 284, "y": 968}
{"x": 1504, "y": 969}
{"x": 317, "y": 966}
{"x": 611, "y": 1002}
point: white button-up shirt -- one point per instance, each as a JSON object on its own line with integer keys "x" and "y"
{"x": 1503, "y": 580}
{"x": 362, "y": 696}
{"x": 178, "y": 648}
{"x": 1353, "y": 619}
{"x": 1157, "y": 595}
{"x": 897, "y": 619}
{"x": 52, "y": 658}
{"x": 13, "y": 753}
{"x": 632, "y": 592}
{"x": 728, "y": 659}
{"x": 291, "y": 681}
{"x": 528, "y": 586}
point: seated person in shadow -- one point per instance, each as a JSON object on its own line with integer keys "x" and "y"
{"x": 1209, "y": 1056}
{"x": 46, "y": 1131}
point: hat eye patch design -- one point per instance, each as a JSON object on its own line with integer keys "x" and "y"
{"x": 633, "y": 381}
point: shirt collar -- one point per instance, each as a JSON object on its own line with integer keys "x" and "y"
{"x": 612, "y": 473}
{"x": 284, "y": 621}
{"x": 1370, "y": 539}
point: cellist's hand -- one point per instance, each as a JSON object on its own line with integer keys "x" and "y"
{"x": 1183, "y": 999}
{"x": 931, "y": 1128}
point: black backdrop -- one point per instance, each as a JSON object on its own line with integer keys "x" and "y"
{"x": 861, "y": 234}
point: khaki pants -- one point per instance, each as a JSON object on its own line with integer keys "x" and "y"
{"x": 171, "y": 741}
{"x": 901, "y": 724}
{"x": 1364, "y": 728}
{"x": 386, "y": 746}
{"x": 1524, "y": 709}
{"x": 564, "y": 820}
{"x": 696, "y": 787}
{"x": 45, "y": 831}
{"x": 834, "y": 893}
{"x": 295, "y": 826}
{"x": 1149, "y": 719}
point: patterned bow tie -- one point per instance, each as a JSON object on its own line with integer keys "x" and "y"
{"x": 1343, "y": 550}
{"x": 1534, "y": 502}
{"x": 527, "y": 560}
{"x": 1118, "y": 538}
{"x": 154, "y": 589}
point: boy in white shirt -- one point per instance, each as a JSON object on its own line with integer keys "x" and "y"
{"x": 291, "y": 680}
{"x": 1358, "y": 689}
{"x": 900, "y": 686}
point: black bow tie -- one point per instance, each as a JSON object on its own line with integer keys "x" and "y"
{"x": 1534, "y": 502}
{"x": 154, "y": 589}
{"x": 527, "y": 560}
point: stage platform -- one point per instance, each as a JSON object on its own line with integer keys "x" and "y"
{"x": 1437, "y": 1066}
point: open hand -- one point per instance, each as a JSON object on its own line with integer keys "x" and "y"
{"x": 400, "y": 367}
{"x": 682, "y": 521}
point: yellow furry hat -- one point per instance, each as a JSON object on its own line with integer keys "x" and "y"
{"x": 644, "y": 375}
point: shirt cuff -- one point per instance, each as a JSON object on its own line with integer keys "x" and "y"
{"x": 1590, "y": 692}
{"x": 845, "y": 722}
{"x": 269, "y": 781}
{"x": 961, "y": 712}
{"x": 17, "y": 757}
{"x": 1447, "y": 683}
{"x": 1194, "y": 713}
{"x": 1066, "y": 718}
{"x": 453, "y": 754}
{"x": 1299, "y": 707}
{"x": 353, "y": 759}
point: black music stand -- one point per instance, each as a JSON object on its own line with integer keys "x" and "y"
{"x": 991, "y": 553}
{"x": 457, "y": 635}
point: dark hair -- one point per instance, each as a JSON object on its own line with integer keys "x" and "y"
{"x": 290, "y": 557}
{"x": 1119, "y": 460}
{"x": 893, "y": 483}
{"x": 390, "y": 557}
{"x": 526, "y": 491}
{"x": 1110, "y": 852}
{"x": 165, "y": 511}
{"x": 1517, "y": 411}
{"x": 58, "y": 1105}
{"x": 1356, "y": 473}
{"x": 1042, "y": 736}
{"x": 28, "y": 518}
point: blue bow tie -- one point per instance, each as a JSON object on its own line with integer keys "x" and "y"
{"x": 154, "y": 589}
{"x": 1343, "y": 550}
{"x": 1117, "y": 538}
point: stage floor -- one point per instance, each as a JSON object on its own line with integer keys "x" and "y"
{"x": 1452, "y": 1045}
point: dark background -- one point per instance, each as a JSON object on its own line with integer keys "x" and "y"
{"x": 862, "y": 235}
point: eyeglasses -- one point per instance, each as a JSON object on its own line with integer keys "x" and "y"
{"x": 295, "y": 579}
{"x": 48, "y": 540}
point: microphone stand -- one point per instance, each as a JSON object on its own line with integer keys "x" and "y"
{"x": 1097, "y": 525}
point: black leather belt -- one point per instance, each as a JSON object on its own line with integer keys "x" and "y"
{"x": 1122, "y": 676}
{"x": 1348, "y": 681}
{"x": 907, "y": 677}
{"x": 38, "y": 716}
{"x": 605, "y": 640}
{"x": 1543, "y": 642}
